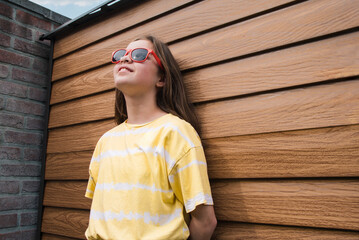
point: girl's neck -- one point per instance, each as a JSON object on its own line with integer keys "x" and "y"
{"x": 142, "y": 111}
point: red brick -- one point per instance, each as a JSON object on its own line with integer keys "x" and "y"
{"x": 16, "y": 234}
{"x": 11, "y": 120}
{"x": 10, "y": 203}
{"x": 23, "y": 106}
{"x": 18, "y": 202}
{"x": 6, "y": 10}
{"x": 22, "y": 138}
{"x": 31, "y": 186}
{"x": 15, "y": 29}
{"x": 31, "y": 20}
{"x": 11, "y": 235}
{"x": 4, "y": 71}
{"x": 10, "y": 153}
{"x": 39, "y": 94}
{"x": 20, "y": 170}
{"x": 28, "y": 219}
{"x": 35, "y": 123}
{"x": 32, "y": 48}
{"x": 29, "y": 77}
{"x": 14, "y": 58}
{"x": 41, "y": 66}
{"x": 29, "y": 202}
{"x": 13, "y": 89}
{"x": 8, "y": 220}
{"x": 32, "y": 154}
{"x": 28, "y": 234}
{"x": 9, "y": 187}
{"x": 4, "y": 40}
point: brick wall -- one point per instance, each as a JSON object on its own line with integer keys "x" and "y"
{"x": 24, "y": 84}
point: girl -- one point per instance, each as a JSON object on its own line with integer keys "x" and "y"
{"x": 148, "y": 175}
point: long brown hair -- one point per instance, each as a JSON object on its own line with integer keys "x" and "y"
{"x": 170, "y": 98}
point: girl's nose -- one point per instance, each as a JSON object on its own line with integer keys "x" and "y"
{"x": 126, "y": 58}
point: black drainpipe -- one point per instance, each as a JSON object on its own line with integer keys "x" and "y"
{"x": 44, "y": 148}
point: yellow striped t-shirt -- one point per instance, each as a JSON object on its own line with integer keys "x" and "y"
{"x": 145, "y": 179}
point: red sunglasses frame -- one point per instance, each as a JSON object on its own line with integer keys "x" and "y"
{"x": 129, "y": 52}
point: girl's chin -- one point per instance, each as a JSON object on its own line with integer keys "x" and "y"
{"x": 121, "y": 80}
{"x": 122, "y": 85}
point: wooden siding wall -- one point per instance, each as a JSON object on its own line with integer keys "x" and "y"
{"x": 276, "y": 86}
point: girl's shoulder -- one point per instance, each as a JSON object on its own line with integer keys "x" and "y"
{"x": 111, "y": 132}
{"x": 178, "y": 123}
{"x": 180, "y": 128}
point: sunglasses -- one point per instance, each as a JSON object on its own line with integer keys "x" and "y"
{"x": 136, "y": 55}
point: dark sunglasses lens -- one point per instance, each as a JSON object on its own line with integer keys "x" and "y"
{"x": 118, "y": 55}
{"x": 139, "y": 54}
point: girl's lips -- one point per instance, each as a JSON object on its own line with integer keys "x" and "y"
{"x": 125, "y": 68}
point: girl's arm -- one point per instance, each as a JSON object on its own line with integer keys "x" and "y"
{"x": 203, "y": 222}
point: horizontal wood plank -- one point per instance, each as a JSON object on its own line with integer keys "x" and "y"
{"x": 62, "y": 194}
{"x": 311, "y": 107}
{"x": 92, "y": 108}
{"x": 77, "y": 138}
{"x": 305, "y": 64}
{"x": 331, "y": 203}
{"x": 117, "y": 22}
{"x": 90, "y": 82}
{"x": 46, "y": 236}
{"x": 325, "y": 152}
{"x": 235, "y": 231}
{"x": 303, "y": 21}
{"x": 68, "y": 166}
{"x": 65, "y": 222}
{"x": 312, "y": 203}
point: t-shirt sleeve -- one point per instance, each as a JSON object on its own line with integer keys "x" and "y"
{"x": 93, "y": 172}
{"x": 90, "y": 188}
{"x": 189, "y": 179}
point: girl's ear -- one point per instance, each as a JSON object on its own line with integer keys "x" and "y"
{"x": 161, "y": 82}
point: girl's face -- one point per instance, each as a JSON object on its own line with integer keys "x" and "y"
{"x": 137, "y": 78}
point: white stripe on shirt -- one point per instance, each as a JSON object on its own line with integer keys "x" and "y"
{"x": 129, "y": 186}
{"x": 194, "y": 162}
{"x": 200, "y": 198}
{"x": 155, "y": 151}
{"x": 158, "y": 219}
